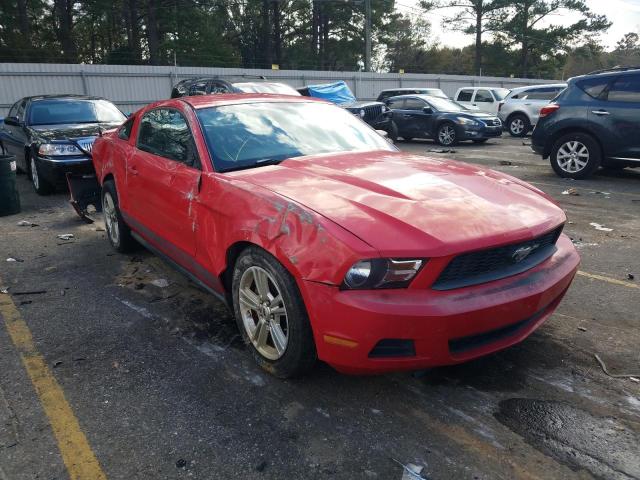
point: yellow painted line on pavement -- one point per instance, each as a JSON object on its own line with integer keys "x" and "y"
{"x": 614, "y": 281}
{"x": 76, "y": 453}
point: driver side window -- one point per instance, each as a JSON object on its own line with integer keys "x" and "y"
{"x": 165, "y": 132}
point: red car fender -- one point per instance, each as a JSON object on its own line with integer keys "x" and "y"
{"x": 307, "y": 244}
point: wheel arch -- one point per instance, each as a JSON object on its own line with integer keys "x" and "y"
{"x": 569, "y": 130}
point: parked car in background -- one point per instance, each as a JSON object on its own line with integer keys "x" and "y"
{"x": 394, "y": 92}
{"x": 212, "y": 85}
{"x": 485, "y": 99}
{"x": 445, "y": 121}
{"x": 373, "y": 113}
{"x": 51, "y": 135}
{"x": 594, "y": 122}
{"x": 327, "y": 241}
{"x": 519, "y": 110}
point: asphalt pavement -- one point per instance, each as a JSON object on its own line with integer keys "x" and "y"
{"x": 149, "y": 374}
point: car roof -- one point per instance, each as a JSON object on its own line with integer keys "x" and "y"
{"x": 611, "y": 73}
{"x": 421, "y": 96}
{"x": 403, "y": 89}
{"x": 69, "y": 96}
{"x": 483, "y": 88}
{"x": 206, "y": 101}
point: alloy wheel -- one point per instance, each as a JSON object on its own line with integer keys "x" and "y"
{"x": 516, "y": 126}
{"x": 263, "y": 312}
{"x": 34, "y": 174}
{"x": 446, "y": 135}
{"x": 111, "y": 218}
{"x": 572, "y": 156}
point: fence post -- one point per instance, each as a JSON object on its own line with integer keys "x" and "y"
{"x": 355, "y": 86}
{"x": 172, "y": 79}
{"x": 400, "y": 80}
{"x": 85, "y": 88}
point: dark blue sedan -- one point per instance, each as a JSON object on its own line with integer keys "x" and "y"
{"x": 445, "y": 121}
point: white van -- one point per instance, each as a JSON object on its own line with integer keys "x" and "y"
{"x": 485, "y": 99}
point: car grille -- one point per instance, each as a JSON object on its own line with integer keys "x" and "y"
{"x": 488, "y": 265}
{"x": 371, "y": 112}
{"x": 86, "y": 143}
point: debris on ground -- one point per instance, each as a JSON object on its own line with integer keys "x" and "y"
{"x": 99, "y": 229}
{"x": 410, "y": 471}
{"x": 614, "y": 375}
{"x": 261, "y": 466}
{"x": 4, "y": 290}
{"x": 635, "y": 379}
{"x": 441, "y": 150}
{"x": 571, "y": 191}
{"x": 31, "y": 292}
{"x": 160, "y": 282}
{"x": 602, "y": 228}
{"x": 13, "y": 259}
{"x": 582, "y": 329}
{"x": 66, "y": 236}
{"x": 181, "y": 463}
{"x": 26, "y": 223}
{"x": 505, "y": 162}
{"x": 526, "y": 144}
{"x": 631, "y": 276}
{"x": 581, "y": 244}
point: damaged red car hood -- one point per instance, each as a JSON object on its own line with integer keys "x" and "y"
{"x": 400, "y": 203}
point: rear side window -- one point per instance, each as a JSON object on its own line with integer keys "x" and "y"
{"x": 395, "y": 104}
{"x": 625, "y": 89}
{"x": 198, "y": 88}
{"x": 164, "y": 132}
{"x": 414, "y": 104}
{"x": 542, "y": 93}
{"x": 594, "y": 86}
{"x": 465, "y": 95}
{"x": 125, "y": 130}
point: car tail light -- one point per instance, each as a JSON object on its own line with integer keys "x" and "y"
{"x": 500, "y": 106}
{"x": 548, "y": 109}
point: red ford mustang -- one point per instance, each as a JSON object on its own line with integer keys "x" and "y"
{"x": 326, "y": 241}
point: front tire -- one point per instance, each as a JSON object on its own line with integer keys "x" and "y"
{"x": 118, "y": 232}
{"x": 271, "y": 315}
{"x": 575, "y": 155}
{"x": 40, "y": 184}
{"x": 393, "y": 132}
{"x": 447, "y": 135}
{"x": 519, "y": 125}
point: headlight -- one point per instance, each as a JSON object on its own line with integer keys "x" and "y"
{"x": 381, "y": 273}
{"x": 384, "y": 108}
{"x": 58, "y": 149}
{"x": 362, "y": 113}
{"x": 467, "y": 121}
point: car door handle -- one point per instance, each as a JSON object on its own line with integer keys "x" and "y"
{"x": 600, "y": 112}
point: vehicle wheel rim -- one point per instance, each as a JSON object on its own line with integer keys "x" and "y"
{"x": 572, "y": 156}
{"x": 263, "y": 312}
{"x": 447, "y": 135}
{"x": 110, "y": 218}
{"x": 34, "y": 174}
{"x": 517, "y": 126}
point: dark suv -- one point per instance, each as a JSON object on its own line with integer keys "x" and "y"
{"x": 594, "y": 122}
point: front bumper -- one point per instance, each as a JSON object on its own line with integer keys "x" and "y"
{"x": 444, "y": 327}
{"x": 383, "y": 122}
{"x": 54, "y": 171}
{"x": 481, "y": 133}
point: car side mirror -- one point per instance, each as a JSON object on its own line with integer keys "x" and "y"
{"x": 427, "y": 110}
{"x": 14, "y": 121}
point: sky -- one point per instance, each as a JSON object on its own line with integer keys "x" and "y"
{"x": 625, "y": 15}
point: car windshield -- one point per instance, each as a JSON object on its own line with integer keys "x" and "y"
{"x": 446, "y": 105}
{"x": 279, "y": 88}
{"x": 254, "y": 134}
{"x": 500, "y": 93}
{"x": 59, "y": 111}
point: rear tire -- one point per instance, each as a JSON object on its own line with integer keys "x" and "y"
{"x": 118, "y": 232}
{"x": 575, "y": 155}
{"x": 271, "y": 315}
{"x": 518, "y": 125}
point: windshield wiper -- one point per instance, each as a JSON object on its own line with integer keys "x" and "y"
{"x": 259, "y": 163}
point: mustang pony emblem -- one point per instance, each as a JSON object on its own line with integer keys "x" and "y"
{"x": 523, "y": 252}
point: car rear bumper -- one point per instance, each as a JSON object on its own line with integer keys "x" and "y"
{"x": 367, "y": 332}
{"x": 54, "y": 171}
